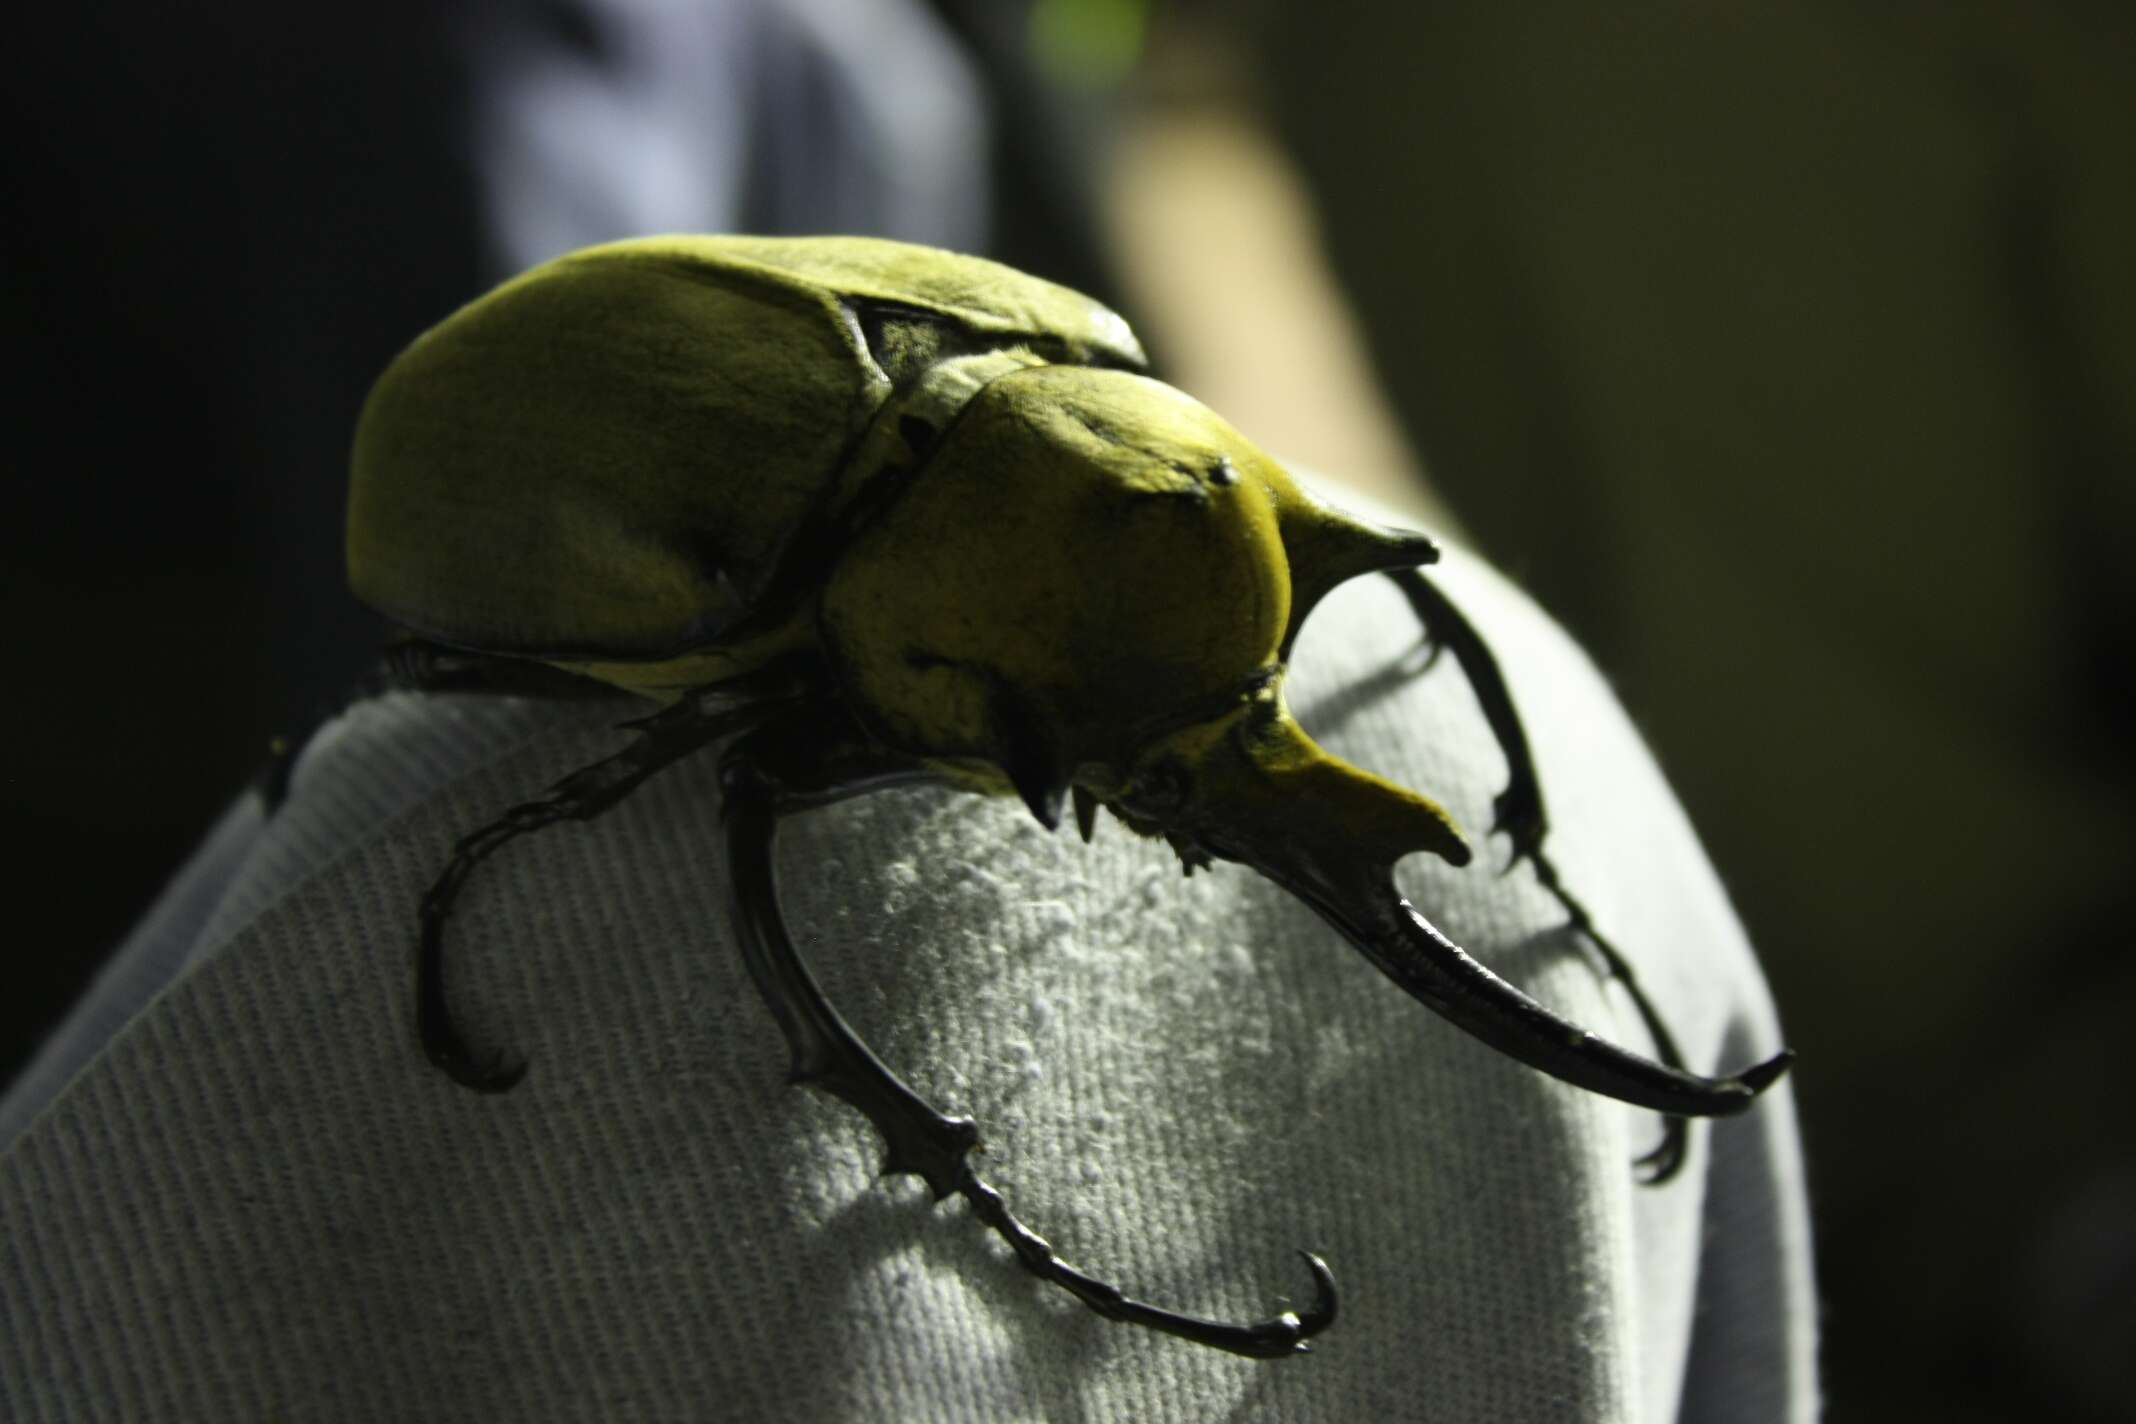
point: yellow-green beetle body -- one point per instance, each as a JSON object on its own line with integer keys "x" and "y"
{"x": 859, "y": 512}
{"x": 662, "y": 462}
{"x": 608, "y": 458}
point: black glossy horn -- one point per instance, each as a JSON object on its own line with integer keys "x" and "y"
{"x": 1331, "y": 833}
{"x": 1435, "y": 971}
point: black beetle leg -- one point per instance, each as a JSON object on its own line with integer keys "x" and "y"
{"x": 663, "y": 738}
{"x": 1520, "y": 813}
{"x": 827, "y": 1054}
{"x": 418, "y": 665}
{"x": 1666, "y": 1159}
{"x": 921, "y": 1139}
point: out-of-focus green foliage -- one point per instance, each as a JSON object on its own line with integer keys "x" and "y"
{"x": 1087, "y": 44}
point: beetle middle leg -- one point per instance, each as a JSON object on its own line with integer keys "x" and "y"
{"x": 778, "y": 769}
{"x": 1519, "y": 812}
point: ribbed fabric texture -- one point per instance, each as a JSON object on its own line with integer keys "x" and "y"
{"x": 259, "y": 1201}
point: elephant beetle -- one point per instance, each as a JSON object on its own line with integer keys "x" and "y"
{"x": 835, "y": 505}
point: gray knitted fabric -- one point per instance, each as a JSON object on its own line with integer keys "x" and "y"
{"x": 257, "y": 1200}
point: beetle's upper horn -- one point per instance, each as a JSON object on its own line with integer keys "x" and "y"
{"x": 1331, "y": 833}
{"x": 1326, "y": 547}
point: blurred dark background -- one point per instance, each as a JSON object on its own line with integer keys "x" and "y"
{"x": 1785, "y": 351}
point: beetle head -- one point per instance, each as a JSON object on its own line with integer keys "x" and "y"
{"x": 1094, "y": 583}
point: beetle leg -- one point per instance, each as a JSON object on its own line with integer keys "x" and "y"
{"x": 921, "y": 1139}
{"x": 1520, "y": 813}
{"x": 663, "y": 739}
{"x": 418, "y": 665}
{"x": 1518, "y": 810}
{"x": 1666, "y": 1158}
{"x": 826, "y": 1052}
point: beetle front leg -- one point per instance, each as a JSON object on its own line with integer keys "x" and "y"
{"x": 1666, "y": 1158}
{"x": 1518, "y": 810}
{"x": 827, "y": 1053}
{"x": 1271, "y": 1339}
{"x": 920, "y": 1138}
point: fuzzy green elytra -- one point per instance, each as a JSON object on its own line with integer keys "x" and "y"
{"x": 859, "y": 513}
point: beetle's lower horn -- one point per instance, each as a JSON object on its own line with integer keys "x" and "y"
{"x": 1331, "y": 834}
{"x": 1432, "y": 969}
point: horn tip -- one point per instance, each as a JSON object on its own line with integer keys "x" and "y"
{"x": 1765, "y": 1074}
{"x": 1421, "y": 547}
